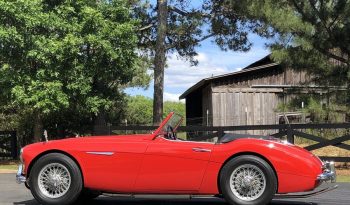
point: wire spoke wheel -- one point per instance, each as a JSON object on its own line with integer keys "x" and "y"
{"x": 247, "y": 182}
{"x": 54, "y": 180}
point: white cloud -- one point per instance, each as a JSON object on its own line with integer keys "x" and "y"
{"x": 232, "y": 59}
{"x": 172, "y": 97}
{"x": 180, "y": 74}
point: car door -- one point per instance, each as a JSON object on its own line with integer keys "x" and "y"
{"x": 113, "y": 164}
{"x": 173, "y": 166}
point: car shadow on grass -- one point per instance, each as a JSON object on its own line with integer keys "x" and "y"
{"x": 113, "y": 201}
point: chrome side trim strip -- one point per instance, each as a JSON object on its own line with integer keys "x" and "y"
{"x": 101, "y": 153}
{"x": 197, "y": 149}
{"x": 163, "y": 196}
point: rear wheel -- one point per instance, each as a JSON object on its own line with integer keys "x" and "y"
{"x": 55, "y": 179}
{"x": 248, "y": 180}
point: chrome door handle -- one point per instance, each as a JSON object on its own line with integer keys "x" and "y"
{"x": 197, "y": 149}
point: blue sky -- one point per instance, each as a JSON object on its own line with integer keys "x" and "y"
{"x": 179, "y": 75}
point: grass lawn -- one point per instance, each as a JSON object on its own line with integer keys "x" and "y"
{"x": 343, "y": 178}
{"x": 343, "y": 175}
{"x": 9, "y": 166}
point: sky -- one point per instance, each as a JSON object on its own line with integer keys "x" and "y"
{"x": 180, "y": 75}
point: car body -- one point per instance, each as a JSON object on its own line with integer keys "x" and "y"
{"x": 158, "y": 164}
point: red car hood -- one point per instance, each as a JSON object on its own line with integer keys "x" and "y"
{"x": 89, "y": 139}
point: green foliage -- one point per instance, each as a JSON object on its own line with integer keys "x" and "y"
{"x": 317, "y": 107}
{"x": 317, "y": 110}
{"x": 67, "y": 60}
{"x": 177, "y": 107}
{"x": 139, "y": 110}
{"x": 189, "y": 24}
{"x": 311, "y": 35}
{"x": 180, "y": 26}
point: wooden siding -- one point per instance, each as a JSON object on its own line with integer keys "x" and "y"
{"x": 293, "y": 77}
{"x": 231, "y": 99}
{"x": 245, "y": 106}
{"x": 268, "y": 76}
{"x": 234, "y": 102}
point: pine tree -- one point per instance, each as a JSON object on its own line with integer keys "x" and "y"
{"x": 312, "y": 35}
{"x": 180, "y": 26}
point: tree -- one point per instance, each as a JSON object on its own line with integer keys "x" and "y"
{"x": 177, "y": 107}
{"x": 66, "y": 57}
{"x": 159, "y": 60}
{"x": 311, "y": 35}
{"x": 180, "y": 26}
{"x": 139, "y": 110}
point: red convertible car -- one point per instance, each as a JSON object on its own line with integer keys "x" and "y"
{"x": 242, "y": 170}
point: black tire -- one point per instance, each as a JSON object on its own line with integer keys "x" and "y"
{"x": 76, "y": 181}
{"x": 264, "y": 196}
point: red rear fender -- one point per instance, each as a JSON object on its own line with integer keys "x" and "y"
{"x": 296, "y": 168}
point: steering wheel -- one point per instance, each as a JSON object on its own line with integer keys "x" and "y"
{"x": 170, "y": 133}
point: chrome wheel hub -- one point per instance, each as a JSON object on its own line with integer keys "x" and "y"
{"x": 54, "y": 180}
{"x": 247, "y": 182}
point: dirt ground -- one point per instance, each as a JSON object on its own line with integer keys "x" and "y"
{"x": 344, "y": 172}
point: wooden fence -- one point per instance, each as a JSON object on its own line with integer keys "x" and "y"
{"x": 284, "y": 130}
{"x": 8, "y": 145}
{"x": 9, "y": 148}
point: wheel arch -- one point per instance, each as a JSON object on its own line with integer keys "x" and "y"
{"x": 241, "y": 154}
{"x": 54, "y": 151}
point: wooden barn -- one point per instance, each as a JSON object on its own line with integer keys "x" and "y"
{"x": 246, "y": 97}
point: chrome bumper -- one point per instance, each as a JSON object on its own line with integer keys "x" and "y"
{"x": 329, "y": 173}
{"x": 19, "y": 176}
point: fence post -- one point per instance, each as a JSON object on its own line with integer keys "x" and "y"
{"x": 220, "y": 132}
{"x": 290, "y": 135}
{"x": 109, "y": 129}
{"x": 14, "y": 150}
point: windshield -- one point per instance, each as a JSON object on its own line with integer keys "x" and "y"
{"x": 173, "y": 120}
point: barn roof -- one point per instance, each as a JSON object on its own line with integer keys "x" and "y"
{"x": 263, "y": 63}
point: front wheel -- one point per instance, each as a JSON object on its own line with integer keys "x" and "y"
{"x": 248, "y": 180}
{"x": 55, "y": 179}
